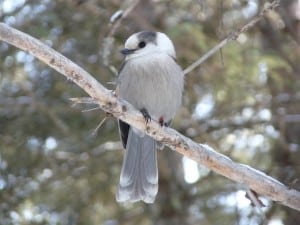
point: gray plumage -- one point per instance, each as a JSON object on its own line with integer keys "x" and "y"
{"x": 139, "y": 176}
{"x": 151, "y": 80}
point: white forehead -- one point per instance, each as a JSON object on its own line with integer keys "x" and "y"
{"x": 160, "y": 40}
{"x": 132, "y": 41}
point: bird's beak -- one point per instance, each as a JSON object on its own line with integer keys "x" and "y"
{"x": 127, "y": 51}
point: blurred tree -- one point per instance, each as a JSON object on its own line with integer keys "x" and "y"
{"x": 244, "y": 101}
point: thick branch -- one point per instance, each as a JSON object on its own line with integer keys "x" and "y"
{"x": 254, "y": 179}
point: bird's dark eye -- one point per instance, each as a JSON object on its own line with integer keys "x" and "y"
{"x": 142, "y": 44}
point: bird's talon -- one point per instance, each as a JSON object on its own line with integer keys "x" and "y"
{"x": 146, "y": 115}
{"x": 161, "y": 121}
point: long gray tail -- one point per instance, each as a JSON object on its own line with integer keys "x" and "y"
{"x": 139, "y": 175}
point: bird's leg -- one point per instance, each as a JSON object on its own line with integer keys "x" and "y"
{"x": 146, "y": 115}
{"x": 161, "y": 121}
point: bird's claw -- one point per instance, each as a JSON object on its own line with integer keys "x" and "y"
{"x": 146, "y": 115}
{"x": 161, "y": 121}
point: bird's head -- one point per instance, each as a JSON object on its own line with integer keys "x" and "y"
{"x": 148, "y": 42}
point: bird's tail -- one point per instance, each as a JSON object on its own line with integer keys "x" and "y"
{"x": 139, "y": 175}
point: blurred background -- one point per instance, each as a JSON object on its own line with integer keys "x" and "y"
{"x": 244, "y": 101}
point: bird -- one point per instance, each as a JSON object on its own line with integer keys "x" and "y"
{"x": 151, "y": 80}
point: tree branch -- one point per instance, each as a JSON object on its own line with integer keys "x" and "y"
{"x": 203, "y": 154}
{"x": 116, "y": 23}
{"x": 232, "y": 36}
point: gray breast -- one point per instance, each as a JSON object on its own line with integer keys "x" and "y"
{"x": 154, "y": 83}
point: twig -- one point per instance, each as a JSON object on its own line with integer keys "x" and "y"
{"x": 206, "y": 56}
{"x": 253, "y": 197}
{"x": 232, "y": 36}
{"x": 203, "y": 154}
{"x": 98, "y": 126}
{"x": 83, "y": 100}
{"x": 90, "y": 109}
{"x": 117, "y": 23}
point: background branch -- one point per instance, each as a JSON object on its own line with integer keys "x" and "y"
{"x": 232, "y": 36}
{"x": 203, "y": 154}
{"x": 123, "y": 15}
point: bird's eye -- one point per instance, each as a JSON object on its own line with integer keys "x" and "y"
{"x": 142, "y": 44}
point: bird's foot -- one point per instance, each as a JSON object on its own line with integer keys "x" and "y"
{"x": 161, "y": 121}
{"x": 146, "y": 115}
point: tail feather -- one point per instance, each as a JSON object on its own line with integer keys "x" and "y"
{"x": 139, "y": 175}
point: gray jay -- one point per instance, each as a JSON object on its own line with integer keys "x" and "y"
{"x": 151, "y": 80}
